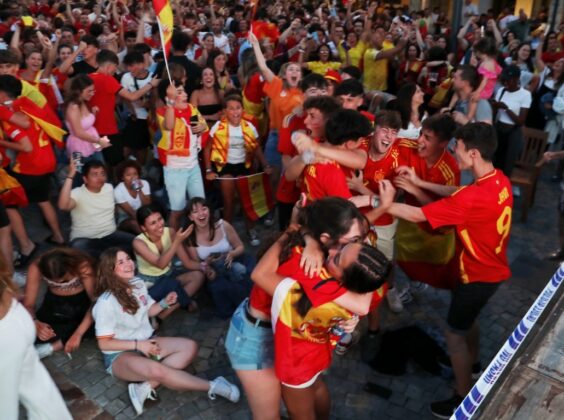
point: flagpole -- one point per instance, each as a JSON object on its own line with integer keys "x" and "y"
{"x": 164, "y": 48}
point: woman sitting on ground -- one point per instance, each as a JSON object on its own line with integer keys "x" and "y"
{"x": 154, "y": 250}
{"x": 217, "y": 248}
{"x": 131, "y": 351}
{"x": 130, "y": 194}
{"x": 64, "y": 316}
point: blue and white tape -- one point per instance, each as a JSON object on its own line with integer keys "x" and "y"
{"x": 477, "y": 394}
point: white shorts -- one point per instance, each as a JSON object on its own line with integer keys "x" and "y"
{"x": 306, "y": 384}
{"x": 386, "y": 239}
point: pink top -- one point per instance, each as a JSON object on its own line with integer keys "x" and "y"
{"x": 76, "y": 144}
{"x": 492, "y": 79}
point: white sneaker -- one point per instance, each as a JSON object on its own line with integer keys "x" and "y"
{"x": 222, "y": 387}
{"x": 138, "y": 393}
{"x": 269, "y": 219}
{"x": 394, "y": 301}
{"x": 44, "y": 350}
{"x": 253, "y": 238}
{"x": 19, "y": 278}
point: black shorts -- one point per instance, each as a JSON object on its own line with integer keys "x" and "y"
{"x": 233, "y": 170}
{"x": 4, "y": 220}
{"x": 36, "y": 187}
{"x": 467, "y": 302}
{"x": 136, "y": 134}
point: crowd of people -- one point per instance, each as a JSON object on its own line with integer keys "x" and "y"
{"x": 385, "y": 147}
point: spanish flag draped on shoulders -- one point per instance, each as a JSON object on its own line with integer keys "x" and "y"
{"x": 303, "y": 314}
{"x": 43, "y": 116}
{"x": 180, "y": 142}
{"x": 220, "y": 142}
{"x": 424, "y": 254}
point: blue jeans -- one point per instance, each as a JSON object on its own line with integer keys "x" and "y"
{"x": 271, "y": 153}
{"x": 164, "y": 284}
{"x": 94, "y": 247}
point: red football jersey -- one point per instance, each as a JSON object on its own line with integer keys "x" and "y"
{"x": 325, "y": 180}
{"x": 288, "y": 191}
{"x": 445, "y": 171}
{"x": 377, "y": 170}
{"x": 41, "y": 160}
{"x": 481, "y": 214}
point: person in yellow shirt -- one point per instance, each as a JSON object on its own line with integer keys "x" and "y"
{"x": 323, "y": 61}
{"x": 376, "y": 58}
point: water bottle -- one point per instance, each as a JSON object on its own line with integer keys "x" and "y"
{"x": 307, "y": 155}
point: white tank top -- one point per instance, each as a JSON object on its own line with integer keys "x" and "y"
{"x": 221, "y": 246}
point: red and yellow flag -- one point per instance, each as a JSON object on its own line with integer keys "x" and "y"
{"x": 44, "y": 117}
{"x": 163, "y": 11}
{"x": 256, "y": 195}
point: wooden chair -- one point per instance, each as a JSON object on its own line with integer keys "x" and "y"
{"x": 526, "y": 171}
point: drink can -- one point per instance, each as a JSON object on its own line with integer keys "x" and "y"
{"x": 136, "y": 184}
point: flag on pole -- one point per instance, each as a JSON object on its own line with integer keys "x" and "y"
{"x": 163, "y": 11}
{"x": 256, "y": 195}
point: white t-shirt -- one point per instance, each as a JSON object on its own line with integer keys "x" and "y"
{"x": 132, "y": 84}
{"x": 113, "y": 321}
{"x": 236, "y": 152}
{"x": 93, "y": 214}
{"x": 221, "y": 42}
{"x": 121, "y": 195}
{"x": 521, "y": 98}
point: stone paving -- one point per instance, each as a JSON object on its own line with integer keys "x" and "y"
{"x": 106, "y": 397}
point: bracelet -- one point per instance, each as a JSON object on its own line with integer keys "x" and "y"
{"x": 70, "y": 177}
{"x": 135, "y": 344}
{"x": 163, "y": 304}
{"x": 374, "y": 201}
{"x": 169, "y": 102}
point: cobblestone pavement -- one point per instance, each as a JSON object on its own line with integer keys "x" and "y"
{"x": 106, "y": 397}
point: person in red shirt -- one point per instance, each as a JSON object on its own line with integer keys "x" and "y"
{"x": 313, "y": 85}
{"x": 107, "y": 88}
{"x": 350, "y": 93}
{"x": 35, "y": 160}
{"x": 383, "y": 160}
{"x": 423, "y": 254}
{"x": 344, "y": 130}
{"x": 481, "y": 214}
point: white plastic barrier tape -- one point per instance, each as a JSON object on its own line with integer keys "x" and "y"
{"x": 477, "y": 394}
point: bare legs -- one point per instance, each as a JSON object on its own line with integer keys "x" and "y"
{"x": 463, "y": 351}
{"x": 176, "y": 353}
{"x": 311, "y": 403}
{"x": 262, "y": 389}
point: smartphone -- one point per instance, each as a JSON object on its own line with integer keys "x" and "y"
{"x": 194, "y": 120}
{"x": 378, "y": 390}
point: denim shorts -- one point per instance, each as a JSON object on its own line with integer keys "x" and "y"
{"x": 180, "y": 181}
{"x": 249, "y": 347}
{"x": 109, "y": 360}
{"x": 271, "y": 153}
{"x": 160, "y": 286}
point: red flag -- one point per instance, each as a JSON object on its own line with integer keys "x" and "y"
{"x": 166, "y": 23}
{"x": 256, "y": 195}
{"x": 11, "y": 191}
